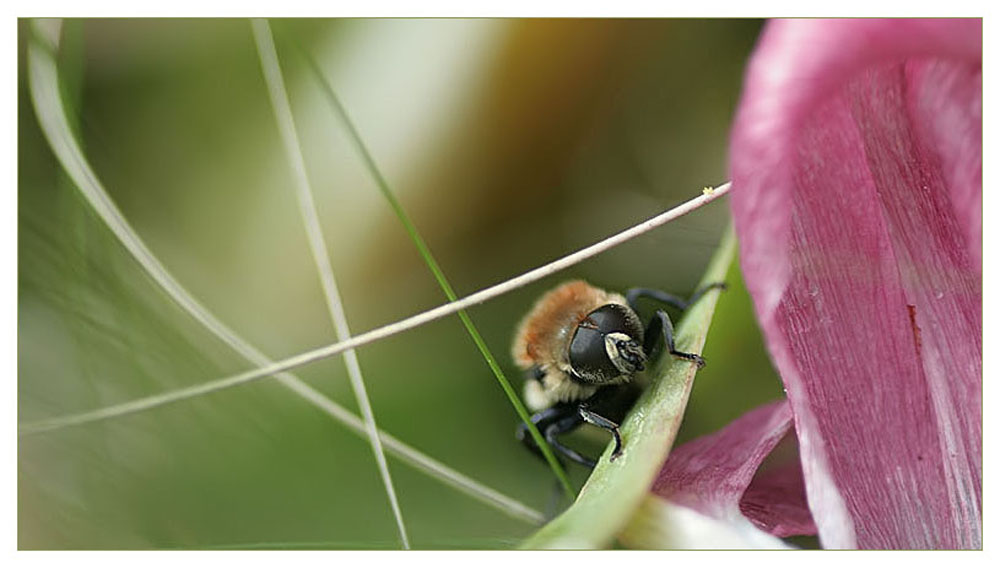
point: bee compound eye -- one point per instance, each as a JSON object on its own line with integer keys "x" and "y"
{"x": 616, "y": 318}
{"x": 588, "y": 356}
{"x": 597, "y": 361}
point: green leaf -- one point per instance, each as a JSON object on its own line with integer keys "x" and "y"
{"x": 616, "y": 489}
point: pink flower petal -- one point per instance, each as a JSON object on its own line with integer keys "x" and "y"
{"x": 856, "y": 166}
{"x": 711, "y": 474}
{"x": 776, "y": 502}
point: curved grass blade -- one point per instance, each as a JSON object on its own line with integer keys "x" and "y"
{"x": 432, "y": 264}
{"x": 615, "y": 490}
{"x": 52, "y": 116}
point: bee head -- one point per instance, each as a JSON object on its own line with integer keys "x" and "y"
{"x": 606, "y": 345}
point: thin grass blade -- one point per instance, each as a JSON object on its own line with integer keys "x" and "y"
{"x": 310, "y": 218}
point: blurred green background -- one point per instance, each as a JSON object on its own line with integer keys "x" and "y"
{"x": 509, "y": 142}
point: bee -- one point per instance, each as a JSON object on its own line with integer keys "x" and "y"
{"x": 583, "y": 351}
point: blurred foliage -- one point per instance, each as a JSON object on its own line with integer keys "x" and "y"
{"x": 510, "y": 143}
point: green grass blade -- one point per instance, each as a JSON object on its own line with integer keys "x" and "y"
{"x": 615, "y": 490}
{"x": 432, "y": 264}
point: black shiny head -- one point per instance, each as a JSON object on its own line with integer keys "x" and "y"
{"x": 607, "y": 344}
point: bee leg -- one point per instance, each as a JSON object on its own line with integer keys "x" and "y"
{"x": 553, "y": 422}
{"x": 633, "y": 294}
{"x": 562, "y": 427}
{"x": 524, "y": 436}
{"x": 660, "y": 326}
{"x": 598, "y": 420}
